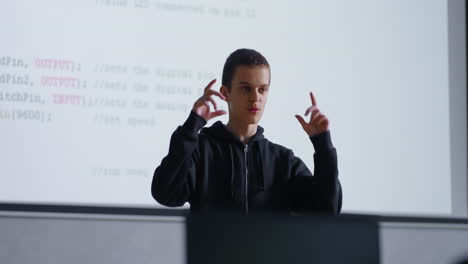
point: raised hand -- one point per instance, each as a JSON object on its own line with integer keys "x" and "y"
{"x": 318, "y": 122}
{"x": 202, "y": 105}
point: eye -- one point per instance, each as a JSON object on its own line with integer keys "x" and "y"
{"x": 246, "y": 88}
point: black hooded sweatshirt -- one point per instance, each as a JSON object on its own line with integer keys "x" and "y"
{"x": 213, "y": 170}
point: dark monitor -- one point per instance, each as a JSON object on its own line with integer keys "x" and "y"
{"x": 216, "y": 239}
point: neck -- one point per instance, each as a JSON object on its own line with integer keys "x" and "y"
{"x": 243, "y": 131}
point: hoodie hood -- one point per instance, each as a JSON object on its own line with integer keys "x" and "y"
{"x": 218, "y": 130}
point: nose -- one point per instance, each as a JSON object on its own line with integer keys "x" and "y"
{"x": 255, "y": 96}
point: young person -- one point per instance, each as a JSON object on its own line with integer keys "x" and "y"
{"x": 233, "y": 166}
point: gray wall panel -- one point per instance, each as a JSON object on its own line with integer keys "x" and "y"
{"x": 91, "y": 240}
{"x": 423, "y": 243}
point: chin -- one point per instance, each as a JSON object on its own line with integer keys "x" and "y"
{"x": 254, "y": 120}
{"x": 249, "y": 119}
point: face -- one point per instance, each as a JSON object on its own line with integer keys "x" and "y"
{"x": 248, "y": 95}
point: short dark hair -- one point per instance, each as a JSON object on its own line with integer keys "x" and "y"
{"x": 241, "y": 57}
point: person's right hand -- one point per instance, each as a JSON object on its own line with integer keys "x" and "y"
{"x": 202, "y": 105}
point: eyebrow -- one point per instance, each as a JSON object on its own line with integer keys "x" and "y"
{"x": 249, "y": 83}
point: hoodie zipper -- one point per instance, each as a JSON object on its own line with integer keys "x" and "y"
{"x": 246, "y": 180}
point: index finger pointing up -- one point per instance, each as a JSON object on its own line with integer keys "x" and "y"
{"x": 312, "y": 98}
{"x": 210, "y": 84}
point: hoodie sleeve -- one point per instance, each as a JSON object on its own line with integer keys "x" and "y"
{"x": 171, "y": 179}
{"x": 322, "y": 191}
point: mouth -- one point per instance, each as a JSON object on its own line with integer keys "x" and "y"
{"x": 253, "y": 109}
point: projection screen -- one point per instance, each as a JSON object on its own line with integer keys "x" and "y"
{"x": 91, "y": 91}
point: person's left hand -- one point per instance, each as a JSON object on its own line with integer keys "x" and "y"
{"x": 318, "y": 122}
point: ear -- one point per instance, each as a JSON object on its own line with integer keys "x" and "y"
{"x": 224, "y": 90}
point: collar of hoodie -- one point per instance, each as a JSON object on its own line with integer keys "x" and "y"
{"x": 218, "y": 130}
